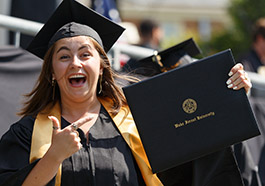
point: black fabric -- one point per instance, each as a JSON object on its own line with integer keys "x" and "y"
{"x": 246, "y": 165}
{"x": 250, "y": 60}
{"x": 257, "y": 144}
{"x": 74, "y": 29}
{"x": 15, "y": 149}
{"x": 175, "y": 56}
{"x": 217, "y": 169}
{"x": 18, "y": 178}
{"x": 171, "y": 56}
{"x": 179, "y": 175}
{"x": 106, "y": 160}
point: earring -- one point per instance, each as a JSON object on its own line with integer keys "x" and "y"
{"x": 100, "y": 85}
{"x": 53, "y": 88}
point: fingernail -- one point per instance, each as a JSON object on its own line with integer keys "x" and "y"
{"x": 230, "y": 73}
{"x": 230, "y": 85}
{"x": 90, "y": 117}
{"x": 228, "y": 82}
{"x": 235, "y": 87}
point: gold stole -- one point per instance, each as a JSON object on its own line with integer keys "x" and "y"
{"x": 42, "y": 133}
{"x": 42, "y": 136}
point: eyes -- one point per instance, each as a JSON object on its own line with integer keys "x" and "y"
{"x": 65, "y": 55}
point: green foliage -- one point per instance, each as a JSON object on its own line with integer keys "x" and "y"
{"x": 243, "y": 13}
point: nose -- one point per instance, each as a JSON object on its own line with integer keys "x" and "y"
{"x": 76, "y": 63}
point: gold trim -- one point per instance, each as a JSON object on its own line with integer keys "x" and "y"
{"x": 42, "y": 133}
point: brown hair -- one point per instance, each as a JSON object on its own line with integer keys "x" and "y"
{"x": 41, "y": 96}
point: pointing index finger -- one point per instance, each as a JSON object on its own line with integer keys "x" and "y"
{"x": 75, "y": 125}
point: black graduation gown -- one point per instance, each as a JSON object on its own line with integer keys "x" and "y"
{"x": 105, "y": 160}
{"x": 250, "y": 60}
{"x": 216, "y": 169}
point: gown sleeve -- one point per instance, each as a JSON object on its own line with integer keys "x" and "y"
{"x": 14, "y": 153}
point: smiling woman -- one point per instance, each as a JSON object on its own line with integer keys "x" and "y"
{"x": 76, "y": 68}
{"x": 77, "y": 128}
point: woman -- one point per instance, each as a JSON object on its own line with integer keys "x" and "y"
{"x": 76, "y": 127}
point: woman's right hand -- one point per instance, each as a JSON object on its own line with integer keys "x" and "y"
{"x": 65, "y": 142}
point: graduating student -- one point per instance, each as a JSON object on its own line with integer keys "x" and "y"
{"x": 76, "y": 127}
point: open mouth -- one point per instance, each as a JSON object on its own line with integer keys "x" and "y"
{"x": 77, "y": 80}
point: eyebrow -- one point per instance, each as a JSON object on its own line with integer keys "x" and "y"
{"x": 85, "y": 46}
{"x": 82, "y": 47}
{"x": 62, "y": 48}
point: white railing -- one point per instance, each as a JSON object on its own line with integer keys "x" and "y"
{"x": 31, "y": 28}
{"x": 19, "y": 26}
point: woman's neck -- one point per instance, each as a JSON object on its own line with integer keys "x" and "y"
{"x": 73, "y": 111}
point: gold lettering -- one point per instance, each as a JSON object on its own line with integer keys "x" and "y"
{"x": 179, "y": 125}
{"x": 205, "y": 115}
{"x": 190, "y": 121}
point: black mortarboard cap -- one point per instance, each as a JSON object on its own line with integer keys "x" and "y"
{"x": 164, "y": 60}
{"x": 71, "y": 19}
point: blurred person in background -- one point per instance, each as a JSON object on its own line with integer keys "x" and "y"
{"x": 151, "y": 34}
{"x": 254, "y": 59}
{"x": 251, "y": 156}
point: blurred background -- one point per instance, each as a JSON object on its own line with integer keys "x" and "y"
{"x": 215, "y": 25}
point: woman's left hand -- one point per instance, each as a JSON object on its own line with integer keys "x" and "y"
{"x": 238, "y": 78}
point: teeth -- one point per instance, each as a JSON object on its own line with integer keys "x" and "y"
{"x": 77, "y": 76}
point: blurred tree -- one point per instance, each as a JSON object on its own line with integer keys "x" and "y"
{"x": 243, "y": 14}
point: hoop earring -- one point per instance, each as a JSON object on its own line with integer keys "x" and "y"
{"x": 100, "y": 85}
{"x": 53, "y": 88}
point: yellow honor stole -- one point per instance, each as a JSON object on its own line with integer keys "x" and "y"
{"x": 42, "y": 134}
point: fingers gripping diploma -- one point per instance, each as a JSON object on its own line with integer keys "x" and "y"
{"x": 66, "y": 142}
{"x": 238, "y": 78}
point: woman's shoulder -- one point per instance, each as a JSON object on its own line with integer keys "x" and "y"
{"x": 26, "y": 122}
{"x": 22, "y": 127}
{"x": 18, "y": 137}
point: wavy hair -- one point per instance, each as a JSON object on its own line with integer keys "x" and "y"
{"x": 41, "y": 97}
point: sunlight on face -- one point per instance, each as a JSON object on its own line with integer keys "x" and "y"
{"x": 76, "y": 68}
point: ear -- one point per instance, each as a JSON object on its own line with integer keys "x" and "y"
{"x": 101, "y": 71}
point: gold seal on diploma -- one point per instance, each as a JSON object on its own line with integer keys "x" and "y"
{"x": 189, "y": 106}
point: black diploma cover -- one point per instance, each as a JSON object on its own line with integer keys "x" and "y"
{"x": 189, "y": 112}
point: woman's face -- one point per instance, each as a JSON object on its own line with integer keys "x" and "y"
{"x": 76, "y": 68}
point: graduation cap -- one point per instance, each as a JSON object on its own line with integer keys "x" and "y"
{"x": 73, "y": 19}
{"x": 165, "y": 60}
